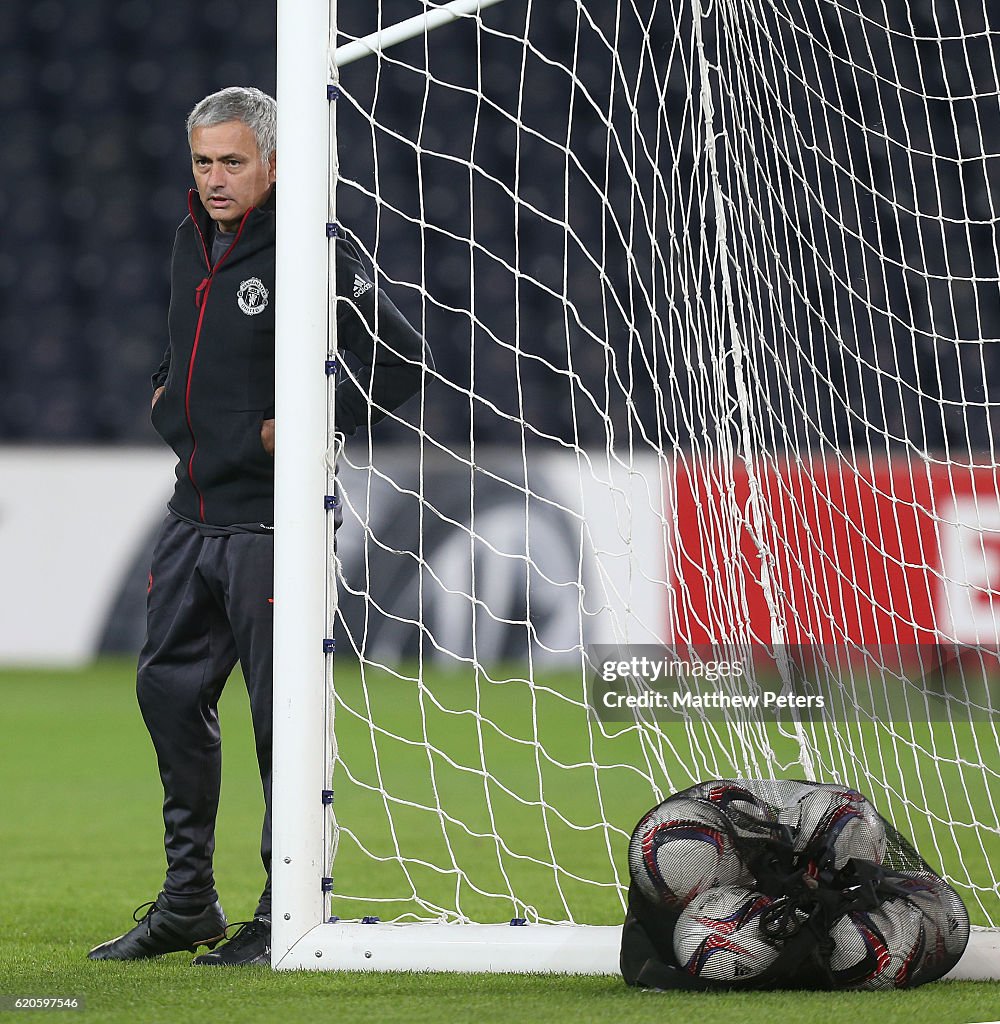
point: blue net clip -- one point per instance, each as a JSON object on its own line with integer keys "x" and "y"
{"x": 329, "y": 646}
{"x": 327, "y": 884}
{"x": 327, "y": 797}
{"x": 332, "y": 230}
{"x": 331, "y": 367}
{"x": 330, "y": 502}
{"x": 333, "y": 92}
{"x": 369, "y": 920}
{"x": 518, "y": 922}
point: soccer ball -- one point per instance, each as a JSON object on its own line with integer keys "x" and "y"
{"x": 946, "y": 920}
{"x": 836, "y": 825}
{"x": 751, "y": 816}
{"x": 680, "y": 848}
{"x": 718, "y": 936}
{"x": 879, "y": 949}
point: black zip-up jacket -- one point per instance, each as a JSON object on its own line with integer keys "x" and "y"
{"x": 218, "y": 371}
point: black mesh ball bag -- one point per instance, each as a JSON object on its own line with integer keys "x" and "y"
{"x": 756, "y": 883}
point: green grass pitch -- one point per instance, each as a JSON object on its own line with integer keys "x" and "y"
{"x": 82, "y": 847}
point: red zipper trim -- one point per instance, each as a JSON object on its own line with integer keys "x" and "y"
{"x": 201, "y": 301}
{"x": 194, "y": 220}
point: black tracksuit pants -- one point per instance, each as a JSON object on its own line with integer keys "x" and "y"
{"x": 209, "y": 606}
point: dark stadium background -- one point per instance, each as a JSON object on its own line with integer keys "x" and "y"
{"x": 94, "y": 95}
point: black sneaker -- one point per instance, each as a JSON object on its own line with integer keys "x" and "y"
{"x": 161, "y": 930}
{"x": 249, "y": 947}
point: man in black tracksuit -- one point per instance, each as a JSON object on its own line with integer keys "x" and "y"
{"x": 210, "y": 587}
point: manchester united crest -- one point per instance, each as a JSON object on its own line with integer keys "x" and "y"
{"x": 252, "y": 296}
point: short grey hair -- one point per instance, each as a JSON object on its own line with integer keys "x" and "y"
{"x": 254, "y": 108}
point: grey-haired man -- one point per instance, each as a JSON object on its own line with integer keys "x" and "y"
{"x": 209, "y": 602}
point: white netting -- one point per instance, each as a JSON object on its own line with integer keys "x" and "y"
{"x": 712, "y": 294}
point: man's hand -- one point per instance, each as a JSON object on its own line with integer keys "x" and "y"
{"x": 156, "y": 394}
{"x": 267, "y": 436}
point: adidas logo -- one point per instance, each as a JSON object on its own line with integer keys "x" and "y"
{"x": 361, "y": 286}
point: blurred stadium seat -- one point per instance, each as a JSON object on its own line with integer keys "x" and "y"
{"x": 93, "y": 99}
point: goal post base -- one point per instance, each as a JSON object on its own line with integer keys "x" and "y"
{"x": 510, "y": 949}
{"x": 981, "y": 961}
{"x": 489, "y": 948}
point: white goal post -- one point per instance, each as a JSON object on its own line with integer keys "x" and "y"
{"x": 711, "y": 370}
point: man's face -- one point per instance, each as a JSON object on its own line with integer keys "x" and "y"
{"x": 228, "y": 171}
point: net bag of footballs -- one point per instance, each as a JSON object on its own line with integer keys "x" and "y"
{"x": 754, "y": 884}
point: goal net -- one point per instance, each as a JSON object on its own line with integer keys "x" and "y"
{"x": 711, "y": 291}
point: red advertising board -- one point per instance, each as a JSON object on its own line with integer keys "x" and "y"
{"x": 896, "y": 551}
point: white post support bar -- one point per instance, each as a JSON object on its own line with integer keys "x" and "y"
{"x": 399, "y": 33}
{"x": 302, "y": 311}
{"x": 487, "y": 948}
{"x": 981, "y": 960}
{"x": 501, "y": 949}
